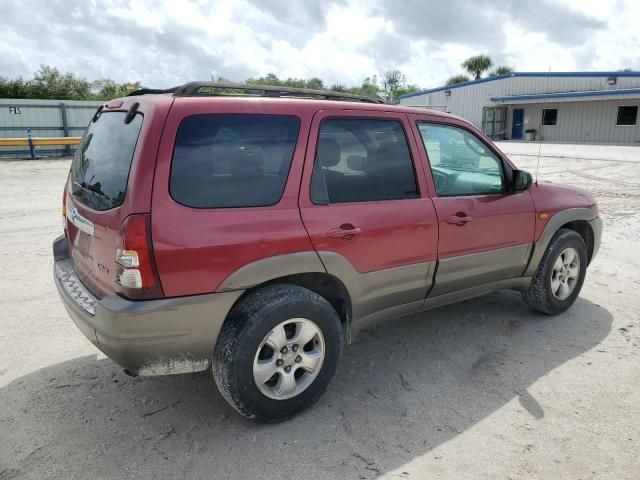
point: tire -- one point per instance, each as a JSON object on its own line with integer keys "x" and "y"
{"x": 287, "y": 309}
{"x": 543, "y": 294}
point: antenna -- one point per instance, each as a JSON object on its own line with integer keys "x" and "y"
{"x": 538, "y": 164}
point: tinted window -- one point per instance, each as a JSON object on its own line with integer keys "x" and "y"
{"x": 549, "y": 116}
{"x": 101, "y": 165}
{"x": 460, "y": 163}
{"x": 232, "y": 160}
{"x": 361, "y": 160}
{"x": 627, "y": 115}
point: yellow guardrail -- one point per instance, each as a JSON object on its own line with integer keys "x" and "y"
{"x": 17, "y": 142}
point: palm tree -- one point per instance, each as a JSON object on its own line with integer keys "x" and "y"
{"x": 477, "y": 65}
{"x": 502, "y": 70}
{"x": 457, "y": 79}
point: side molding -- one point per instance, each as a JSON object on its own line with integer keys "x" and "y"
{"x": 553, "y": 224}
{"x": 462, "y": 272}
{"x": 372, "y": 293}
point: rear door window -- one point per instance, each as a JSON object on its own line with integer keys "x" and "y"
{"x": 362, "y": 160}
{"x": 100, "y": 168}
{"x": 232, "y": 160}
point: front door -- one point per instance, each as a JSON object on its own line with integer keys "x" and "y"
{"x": 485, "y": 233}
{"x": 518, "y": 122}
{"x": 365, "y": 205}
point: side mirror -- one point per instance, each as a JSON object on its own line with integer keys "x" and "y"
{"x": 521, "y": 181}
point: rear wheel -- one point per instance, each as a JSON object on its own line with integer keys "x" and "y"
{"x": 277, "y": 352}
{"x": 560, "y": 274}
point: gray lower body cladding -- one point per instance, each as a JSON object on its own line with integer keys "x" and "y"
{"x": 147, "y": 337}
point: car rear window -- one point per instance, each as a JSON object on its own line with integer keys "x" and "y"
{"x": 232, "y": 160}
{"x": 101, "y": 165}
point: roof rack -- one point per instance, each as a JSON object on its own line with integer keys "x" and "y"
{"x": 194, "y": 89}
{"x": 145, "y": 91}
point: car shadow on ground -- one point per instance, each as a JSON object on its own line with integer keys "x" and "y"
{"x": 402, "y": 389}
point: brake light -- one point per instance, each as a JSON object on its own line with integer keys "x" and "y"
{"x": 136, "y": 276}
{"x": 64, "y": 210}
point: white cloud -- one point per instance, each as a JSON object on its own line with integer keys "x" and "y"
{"x": 163, "y": 43}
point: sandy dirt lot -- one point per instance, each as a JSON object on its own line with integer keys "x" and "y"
{"x": 481, "y": 389}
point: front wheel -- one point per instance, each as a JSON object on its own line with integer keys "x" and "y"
{"x": 277, "y": 352}
{"x": 560, "y": 274}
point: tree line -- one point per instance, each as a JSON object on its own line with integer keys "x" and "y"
{"x": 50, "y": 83}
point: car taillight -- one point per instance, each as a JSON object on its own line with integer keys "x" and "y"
{"x": 64, "y": 210}
{"x": 136, "y": 276}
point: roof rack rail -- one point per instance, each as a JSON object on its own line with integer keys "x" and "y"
{"x": 193, "y": 89}
{"x": 145, "y": 91}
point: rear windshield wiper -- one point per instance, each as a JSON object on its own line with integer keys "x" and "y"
{"x": 91, "y": 188}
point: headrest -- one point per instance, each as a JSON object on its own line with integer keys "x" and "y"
{"x": 356, "y": 162}
{"x": 328, "y": 152}
{"x": 382, "y": 156}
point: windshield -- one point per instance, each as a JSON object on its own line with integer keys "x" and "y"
{"x": 101, "y": 165}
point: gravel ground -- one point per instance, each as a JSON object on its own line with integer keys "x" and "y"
{"x": 481, "y": 389}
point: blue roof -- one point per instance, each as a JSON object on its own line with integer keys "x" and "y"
{"x": 524, "y": 74}
{"x": 586, "y": 93}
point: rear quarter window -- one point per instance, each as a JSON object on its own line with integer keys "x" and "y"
{"x": 100, "y": 167}
{"x": 222, "y": 161}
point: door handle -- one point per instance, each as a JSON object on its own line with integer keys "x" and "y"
{"x": 345, "y": 232}
{"x": 458, "y": 220}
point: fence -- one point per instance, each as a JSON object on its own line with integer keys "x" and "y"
{"x": 45, "y": 118}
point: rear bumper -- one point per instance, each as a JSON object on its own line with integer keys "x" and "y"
{"x": 149, "y": 337}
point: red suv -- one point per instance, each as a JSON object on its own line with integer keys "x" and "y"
{"x": 254, "y": 230}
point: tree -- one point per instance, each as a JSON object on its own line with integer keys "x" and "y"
{"x": 501, "y": 70}
{"x": 392, "y": 80}
{"x": 14, "y": 88}
{"x": 338, "y": 87}
{"x": 405, "y": 90}
{"x": 269, "y": 79}
{"x": 315, "y": 83}
{"x": 457, "y": 79}
{"x": 49, "y": 82}
{"x": 477, "y": 65}
{"x": 368, "y": 87}
{"x": 394, "y": 84}
{"x": 106, "y": 89}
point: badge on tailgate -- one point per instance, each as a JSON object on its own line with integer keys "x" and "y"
{"x": 79, "y": 221}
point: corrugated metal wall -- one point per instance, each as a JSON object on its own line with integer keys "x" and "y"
{"x": 583, "y": 122}
{"x": 591, "y": 117}
{"x": 45, "y": 118}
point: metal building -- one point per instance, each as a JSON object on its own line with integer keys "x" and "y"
{"x": 45, "y": 118}
{"x": 598, "y": 107}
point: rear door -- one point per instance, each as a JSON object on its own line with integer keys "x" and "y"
{"x": 226, "y": 189}
{"x": 110, "y": 178}
{"x": 365, "y": 205}
{"x": 485, "y": 232}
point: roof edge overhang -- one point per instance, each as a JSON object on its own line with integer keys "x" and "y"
{"x": 627, "y": 93}
{"x": 523, "y": 74}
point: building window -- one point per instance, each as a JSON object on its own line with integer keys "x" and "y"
{"x": 549, "y": 116}
{"x": 627, "y": 115}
